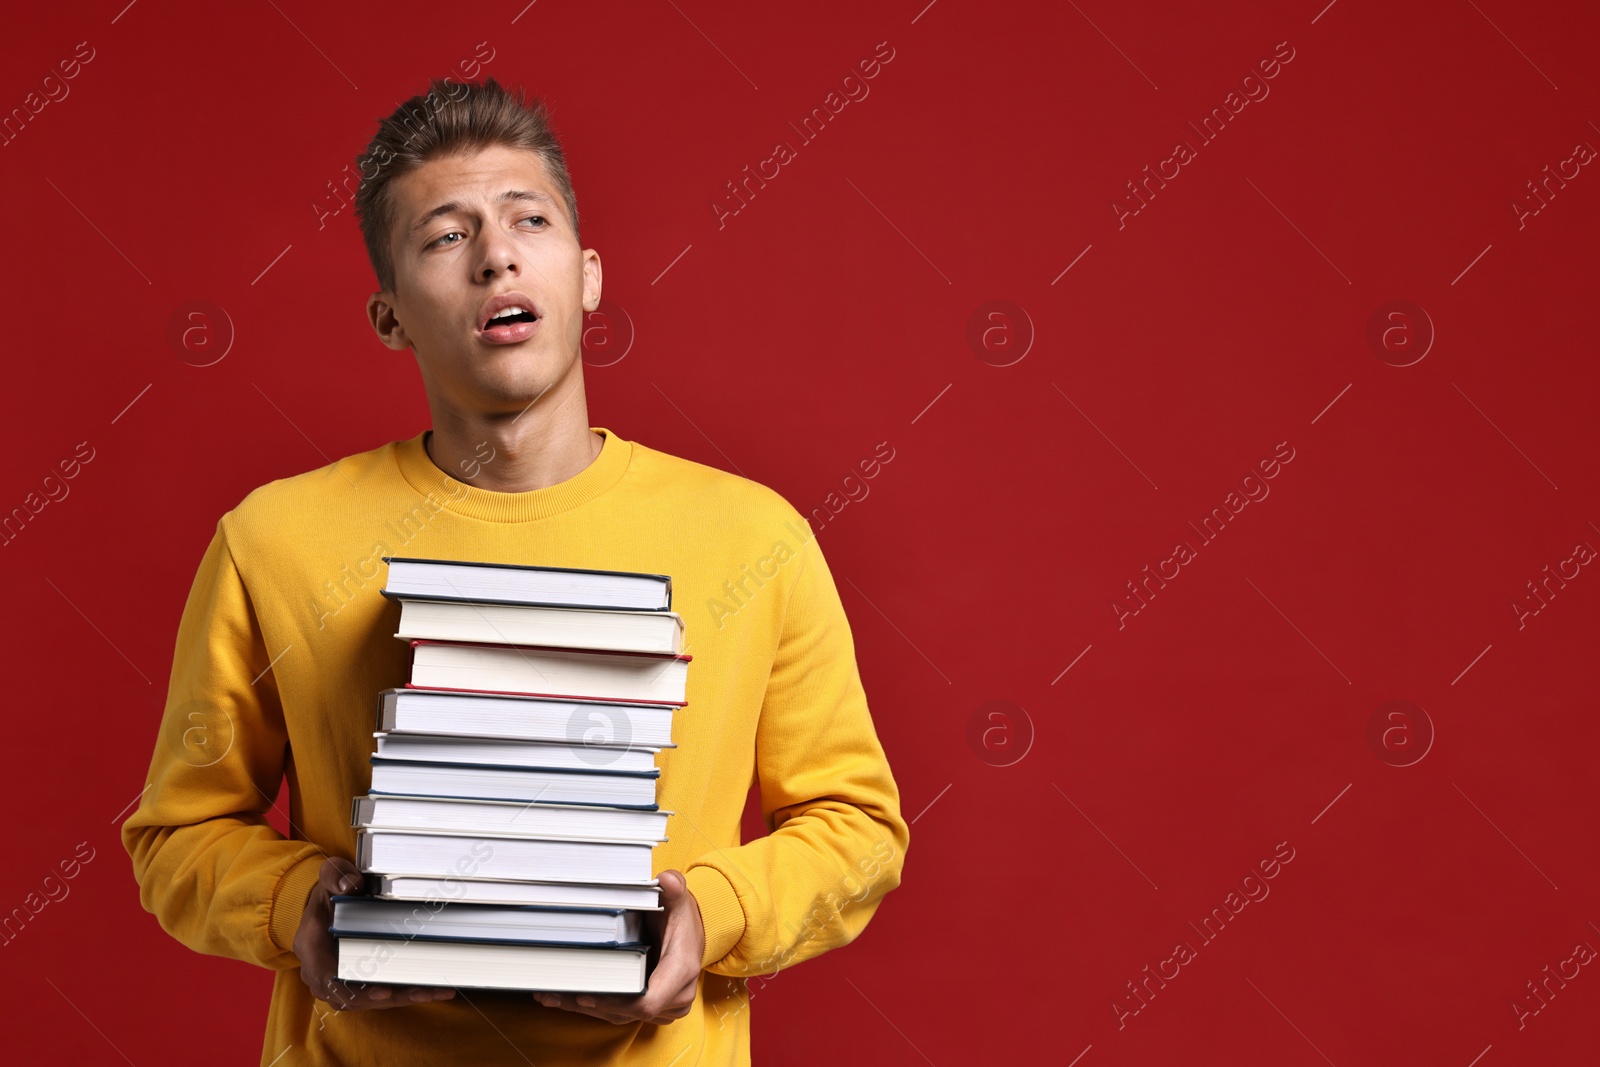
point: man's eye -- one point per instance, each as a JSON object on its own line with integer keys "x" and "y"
{"x": 540, "y": 219}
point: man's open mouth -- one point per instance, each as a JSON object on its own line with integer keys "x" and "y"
{"x": 510, "y": 325}
{"x": 509, "y": 316}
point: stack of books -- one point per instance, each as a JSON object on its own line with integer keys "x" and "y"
{"x": 507, "y": 836}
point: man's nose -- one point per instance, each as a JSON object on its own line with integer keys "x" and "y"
{"x": 499, "y": 255}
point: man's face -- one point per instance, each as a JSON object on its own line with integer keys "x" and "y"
{"x": 504, "y": 230}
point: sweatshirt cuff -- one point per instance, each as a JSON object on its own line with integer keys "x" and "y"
{"x": 289, "y": 900}
{"x": 720, "y": 911}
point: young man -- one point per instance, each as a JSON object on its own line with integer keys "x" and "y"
{"x": 467, "y": 209}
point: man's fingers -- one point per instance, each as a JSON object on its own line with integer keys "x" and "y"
{"x": 662, "y": 998}
{"x": 338, "y": 876}
{"x": 358, "y": 998}
{"x": 397, "y": 997}
{"x": 318, "y": 951}
{"x": 673, "y": 1010}
{"x": 617, "y": 1010}
{"x": 674, "y": 975}
{"x": 674, "y": 980}
{"x": 612, "y": 1007}
{"x": 609, "y": 1012}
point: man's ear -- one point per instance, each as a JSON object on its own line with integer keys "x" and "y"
{"x": 380, "y": 313}
{"x": 591, "y": 279}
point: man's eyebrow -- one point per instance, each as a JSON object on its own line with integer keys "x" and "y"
{"x": 522, "y": 195}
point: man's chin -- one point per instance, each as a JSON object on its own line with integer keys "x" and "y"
{"x": 507, "y": 378}
{"x": 513, "y": 400}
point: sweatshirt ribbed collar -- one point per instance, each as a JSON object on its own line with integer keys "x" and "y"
{"x": 418, "y": 469}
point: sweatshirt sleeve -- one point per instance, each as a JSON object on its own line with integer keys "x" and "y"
{"x": 215, "y": 873}
{"x": 838, "y": 841}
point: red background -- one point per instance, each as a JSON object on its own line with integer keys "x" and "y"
{"x": 832, "y": 313}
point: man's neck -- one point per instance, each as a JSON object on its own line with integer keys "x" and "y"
{"x": 516, "y": 455}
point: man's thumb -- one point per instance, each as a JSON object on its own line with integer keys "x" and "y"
{"x": 339, "y": 875}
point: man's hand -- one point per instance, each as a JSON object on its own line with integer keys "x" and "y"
{"x": 319, "y": 951}
{"x": 680, "y": 936}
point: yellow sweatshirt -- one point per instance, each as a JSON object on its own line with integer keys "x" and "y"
{"x": 285, "y": 643}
